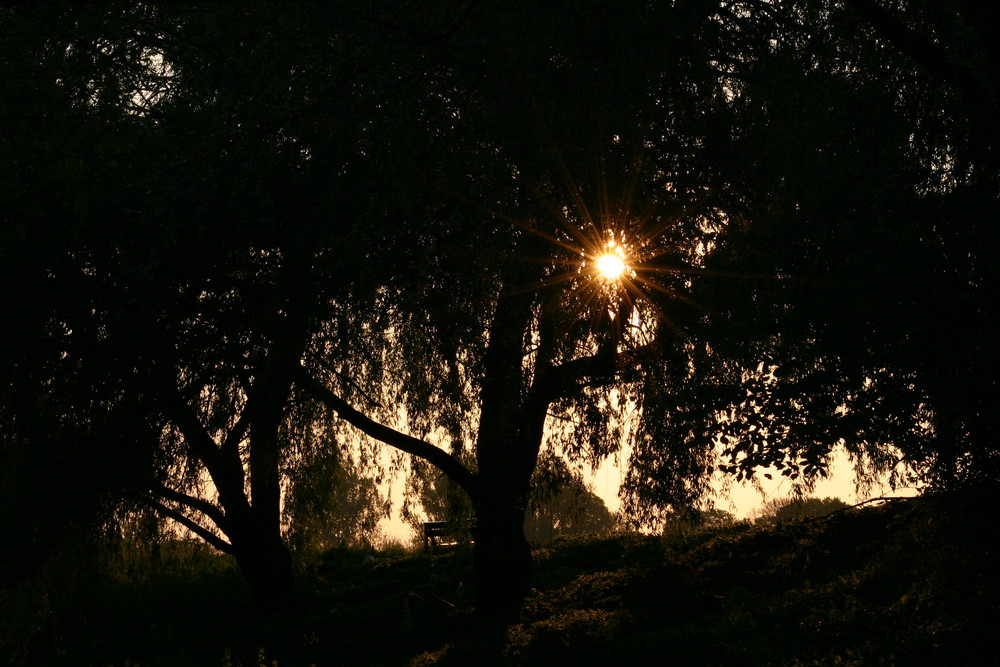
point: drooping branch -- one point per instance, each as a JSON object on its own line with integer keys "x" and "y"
{"x": 187, "y": 522}
{"x": 437, "y": 457}
{"x": 213, "y": 512}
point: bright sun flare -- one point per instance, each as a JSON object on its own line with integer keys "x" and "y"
{"x": 611, "y": 267}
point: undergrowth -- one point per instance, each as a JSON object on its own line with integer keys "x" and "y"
{"x": 913, "y": 582}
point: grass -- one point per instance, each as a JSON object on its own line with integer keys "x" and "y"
{"x": 910, "y": 583}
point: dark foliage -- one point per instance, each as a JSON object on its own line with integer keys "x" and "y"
{"x": 909, "y": 582}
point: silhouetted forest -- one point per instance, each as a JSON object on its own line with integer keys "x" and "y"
{"x": 259, "y": 261}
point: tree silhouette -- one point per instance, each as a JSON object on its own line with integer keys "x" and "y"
{"x": 173, "y": 297}
{"x": 231, "y": 232}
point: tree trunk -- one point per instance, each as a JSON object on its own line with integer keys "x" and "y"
{"x": 265, "y": 561}
{"x": 502, "y": 554}
{"x": 266, "y": 565}
{"x": 511, "y": 426}
{"x": 507, "y": 452}
{"x": 502, "y": 559}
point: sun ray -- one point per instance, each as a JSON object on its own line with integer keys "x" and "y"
{"x": 524, "y": 289}
{"x": 685, "y": 212}
{"x": 558, "y": 212}
{"x": 619, "y": 250}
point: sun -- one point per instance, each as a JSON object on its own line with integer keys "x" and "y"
{"x": 610, "y": 260}
{"x": 610, "y": 266}
{"x": 617, "y": 257}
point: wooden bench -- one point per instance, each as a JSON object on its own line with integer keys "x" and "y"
{"x": 436, "y": 531}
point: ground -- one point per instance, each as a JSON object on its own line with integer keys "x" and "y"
{"x": 911, "y": 582}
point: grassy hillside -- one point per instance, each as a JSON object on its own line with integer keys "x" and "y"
{"x": 914, "y": 582}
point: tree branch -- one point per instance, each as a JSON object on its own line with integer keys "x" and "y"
{"x": 977, "y": 87}
{"x": 561, "y": 379}
{"x": 236, "y": 434}
{"x": 226, "y": 472}
{"x": 439, "y": 458}
{"x": 195, "y": 435}
{"x": 930, "y": 56}
{"x": 200, "y": 531}
{"x": 208, "y": 509}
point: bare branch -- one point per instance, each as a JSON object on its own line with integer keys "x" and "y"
{"x": 213, "y": 512}
{"x": 237, "y": 433}
{"x": 439, "y": 458}
{"x": 195, "y": 434}
{"x": 200, "y": 531}
{"x": 226, "y": 471}
{"x": 598, "y": 369}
